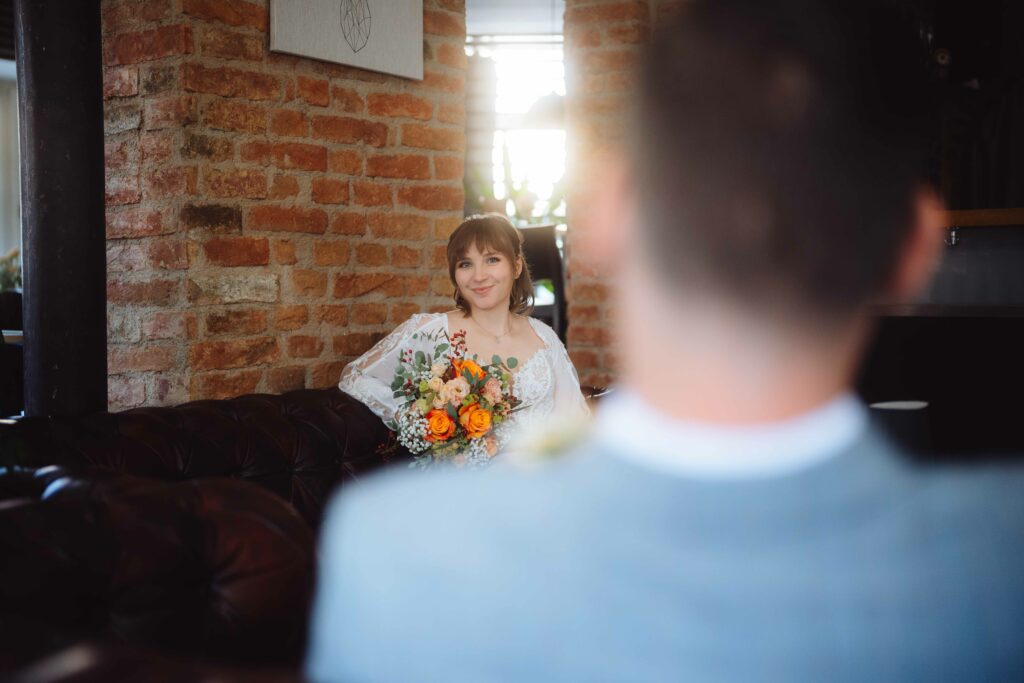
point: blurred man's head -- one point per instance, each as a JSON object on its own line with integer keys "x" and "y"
{"x": 777, "y": 151}
{"x": 770, "y": 190}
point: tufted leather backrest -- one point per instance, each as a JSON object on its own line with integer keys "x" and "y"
{"x": 206, "y": 567}
{"x": 300, "y": 445}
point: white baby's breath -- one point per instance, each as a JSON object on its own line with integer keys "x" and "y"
{"x": 412, "y": 427}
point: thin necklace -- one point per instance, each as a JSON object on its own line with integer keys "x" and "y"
{"x": 497, "y": 337}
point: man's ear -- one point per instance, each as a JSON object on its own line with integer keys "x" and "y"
{"x": 606, "y": 208}
{"x": 922, "y": 247}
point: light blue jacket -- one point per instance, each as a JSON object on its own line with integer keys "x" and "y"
{"x": 867, "y": 567}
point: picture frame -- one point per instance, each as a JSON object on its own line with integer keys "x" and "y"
{"x": 379, "y": 35}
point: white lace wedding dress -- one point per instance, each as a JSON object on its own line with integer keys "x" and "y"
{"x": 546, "y": 383}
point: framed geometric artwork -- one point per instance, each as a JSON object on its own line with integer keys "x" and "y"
{"x": 379, "y": 35}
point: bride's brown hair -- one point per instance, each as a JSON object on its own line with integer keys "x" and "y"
{"x": 491, "y": 231}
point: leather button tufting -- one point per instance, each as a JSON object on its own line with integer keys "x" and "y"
{"x": 241, "y": 438}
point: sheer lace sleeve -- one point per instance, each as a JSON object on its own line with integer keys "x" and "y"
{"x": 368, "y": 378}
{"x": 569, "y": 401}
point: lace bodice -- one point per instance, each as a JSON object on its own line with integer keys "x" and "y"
{"x": 546, "y": 383}
{"x": 532, "y": 385}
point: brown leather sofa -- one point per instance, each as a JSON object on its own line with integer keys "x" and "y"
{"x": 95, "y": 662}
{"x": 300, "y": 445}
{"x": 209, "y": 568}
{"x": 188, "y": 531}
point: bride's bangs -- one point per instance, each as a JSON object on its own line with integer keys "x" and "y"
{"x": 483, "y": 232}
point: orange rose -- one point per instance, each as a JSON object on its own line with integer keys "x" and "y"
{"x": 475, "y": 371}
{"x": 440, "y": 427}
{"x": 475, "y": 420}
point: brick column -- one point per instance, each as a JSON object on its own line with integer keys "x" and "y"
{"x": 603, "y": 41}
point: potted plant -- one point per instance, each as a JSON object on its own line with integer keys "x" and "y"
{"x": 10, "y": 271}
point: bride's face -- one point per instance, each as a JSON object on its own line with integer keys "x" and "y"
{"x": 485, "y": 278}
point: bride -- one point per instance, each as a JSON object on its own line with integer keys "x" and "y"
{"x": 493, "y": 294}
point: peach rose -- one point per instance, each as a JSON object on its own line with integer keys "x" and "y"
{"x": 475, "y": 420}
{"x": 492, "y": 390}
{"x": 455, "y": 390}
{"x": 475, "y": 371}
{"x": 440, "y": 427}
{"x": 435, "y": 384}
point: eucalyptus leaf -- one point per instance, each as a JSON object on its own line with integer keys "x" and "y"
{"x": 496, "y": 359}
{"x": 511, "y": 363}
{"x": 420, "y": 358}
{"x": 439, "y": 349}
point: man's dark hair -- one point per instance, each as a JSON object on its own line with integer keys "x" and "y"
{"x": 778, "y": 145}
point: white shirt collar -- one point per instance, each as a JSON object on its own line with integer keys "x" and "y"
{"x": 632, "y": 429}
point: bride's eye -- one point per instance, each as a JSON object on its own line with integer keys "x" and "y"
{"x": 462, "y": 264}
{"x": 494, "y": 259}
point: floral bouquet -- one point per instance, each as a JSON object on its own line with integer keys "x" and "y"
{"x": 454, "y": 406}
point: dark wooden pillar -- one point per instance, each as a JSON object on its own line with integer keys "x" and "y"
{"x": 60, "y": 85}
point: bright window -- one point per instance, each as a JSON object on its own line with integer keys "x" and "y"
{"x": 528, "y": 154}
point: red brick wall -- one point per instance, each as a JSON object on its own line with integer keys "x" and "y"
{"x": 268, "y": 217}
{"x": 603, "y": 41}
